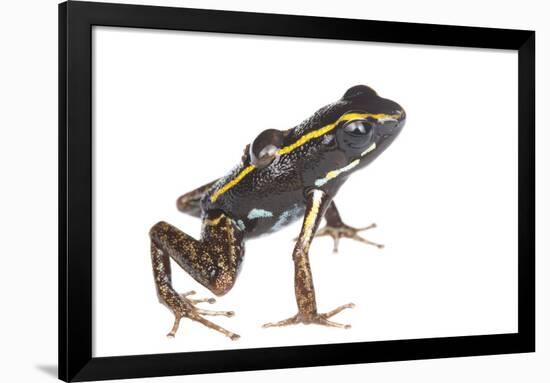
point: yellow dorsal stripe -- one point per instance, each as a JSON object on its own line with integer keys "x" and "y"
{"x": 324, "y": 130}
{"x": 232, "y": 183}
{"x": 301, "y": 141}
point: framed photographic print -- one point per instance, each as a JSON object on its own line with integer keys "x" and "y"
{"x": 246, "y": 191}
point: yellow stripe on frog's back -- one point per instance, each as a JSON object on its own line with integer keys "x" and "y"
{"x": 325, "y": 129}
{"x": 301, "y": 141}
{"x": 232, "y": 182}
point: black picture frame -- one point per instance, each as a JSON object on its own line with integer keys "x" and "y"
{"x": 75, "y": 190}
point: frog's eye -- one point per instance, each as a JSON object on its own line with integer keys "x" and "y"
{"x": 358, "y": 127}
{"x": 264, "y": 148}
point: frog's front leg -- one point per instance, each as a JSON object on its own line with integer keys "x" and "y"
{"x": 214, "y": 262}
{"x": 337, "y": 229}
{"x": 303, "y": 281}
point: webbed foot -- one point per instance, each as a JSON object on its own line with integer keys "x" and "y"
{"x": 345, "y": 231}
{"x": 183, "y": 307}
{"x": 313, "y": 318}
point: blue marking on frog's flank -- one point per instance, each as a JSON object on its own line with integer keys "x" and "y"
{"x": 240, "y": 224}
{"x": 286, "y": 217}
{"x": 259, "y": 213}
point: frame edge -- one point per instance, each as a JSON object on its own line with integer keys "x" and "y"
{"x": 75, "y": 244}
{"x": 74, "y": 354}
{"x": 526, "y": 192}
{"x": 62, "y": 196}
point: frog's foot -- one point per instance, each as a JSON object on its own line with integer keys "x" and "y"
{"x": 314, "y": 318}
{"x": 345, "y": 231}
{"x": 183, "y": 307}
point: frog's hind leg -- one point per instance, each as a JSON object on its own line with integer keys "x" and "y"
{"x": 213, "y": 261}
{"x": 189, "y": 203}
{"x": 337, "y": 229}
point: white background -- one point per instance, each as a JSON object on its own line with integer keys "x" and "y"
{"x": 29, "y": 205}
{"x": 174, "y": 110}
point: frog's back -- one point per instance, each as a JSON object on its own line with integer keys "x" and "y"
{"x": 263, "y": 199}
{"x": 261, "y": 202}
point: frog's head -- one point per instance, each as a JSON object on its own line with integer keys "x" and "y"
{"x": 337, "y": 140}
{"x": 368, "y": 126}
{"x": 359, "y": 127}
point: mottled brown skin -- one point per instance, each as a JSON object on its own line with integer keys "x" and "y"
{"x": 213, "y": 261}
{"x": 282, "y": 176}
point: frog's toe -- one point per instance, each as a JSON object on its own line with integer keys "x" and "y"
{"x": 174, "y": 330}
{"x": 285, "y": 322}
{"x": 195, "y": 301}
{"x": 357, "y": 237}
{"x": 338, "y": 309}
{"x": 345, "y": 231}
{"x": 216, "y": 313}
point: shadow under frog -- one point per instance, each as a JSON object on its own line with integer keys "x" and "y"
{"x": 283, "y": 176}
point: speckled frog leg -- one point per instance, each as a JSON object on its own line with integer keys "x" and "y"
{"x": 303, "y": 280}
{"x": 213, "y": 261}
{"x": 338, "y": 229}
{"x": 189, "y": 203}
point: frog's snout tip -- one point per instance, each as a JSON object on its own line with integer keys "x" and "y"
{"x": 402, "y": 116}
{"x": 392, "y": 126}
{"x": 401, "y": 120}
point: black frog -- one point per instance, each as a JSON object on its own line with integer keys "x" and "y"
{"x": 282, "y": 176}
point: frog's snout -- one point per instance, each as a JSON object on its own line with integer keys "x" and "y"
{"x": 392, "y": 126}
{"x": 401, "y": 120}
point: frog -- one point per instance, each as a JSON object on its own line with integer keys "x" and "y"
{"x": 283, "y": 176}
